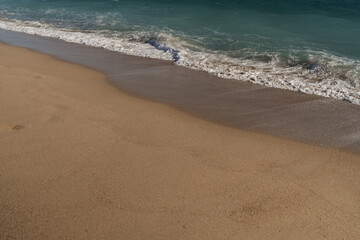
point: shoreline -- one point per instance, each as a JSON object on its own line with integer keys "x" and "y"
{"x": 286, "y": 78}
{"x": 282, "y": 113}
{"x": 81, "y": 159}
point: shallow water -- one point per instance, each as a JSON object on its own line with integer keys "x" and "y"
{"x": 309, "y": 46}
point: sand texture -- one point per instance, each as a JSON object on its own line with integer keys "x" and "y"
{"x": 80, "y": 159}
{"x": 286, "y": 114}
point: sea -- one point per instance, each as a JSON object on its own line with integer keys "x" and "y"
{"x": 310, "y": 46}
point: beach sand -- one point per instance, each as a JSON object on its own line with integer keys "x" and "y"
{"x": 79, "y": 159}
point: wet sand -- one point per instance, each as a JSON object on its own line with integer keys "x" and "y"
{"x": 292, "y": 115}
{"x": 80, "y": 159}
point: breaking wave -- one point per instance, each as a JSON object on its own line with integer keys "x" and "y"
{"x": 311, "y": 72}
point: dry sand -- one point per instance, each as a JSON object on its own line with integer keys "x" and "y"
{"x": 80, "y": 159}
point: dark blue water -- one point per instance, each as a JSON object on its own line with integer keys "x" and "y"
{"x": 315, "y": 42}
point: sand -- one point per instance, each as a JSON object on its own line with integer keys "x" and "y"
{"x": 277, "y": 112}
{"x": 79, "y": 159}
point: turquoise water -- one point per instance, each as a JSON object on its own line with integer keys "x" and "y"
{"x": 313, "y": 45}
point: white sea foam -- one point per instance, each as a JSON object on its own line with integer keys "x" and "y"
{"x": 87, "y": 38}
{"x": 324, "y": 81}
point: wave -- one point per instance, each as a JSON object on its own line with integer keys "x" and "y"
{"x": 315, "y": 72}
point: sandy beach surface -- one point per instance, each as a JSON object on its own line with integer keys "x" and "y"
{"x": 79, "y": 159}
{"x": 286, "y": 114}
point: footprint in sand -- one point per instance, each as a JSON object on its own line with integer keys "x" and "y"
{"x": 18, "y": 127}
